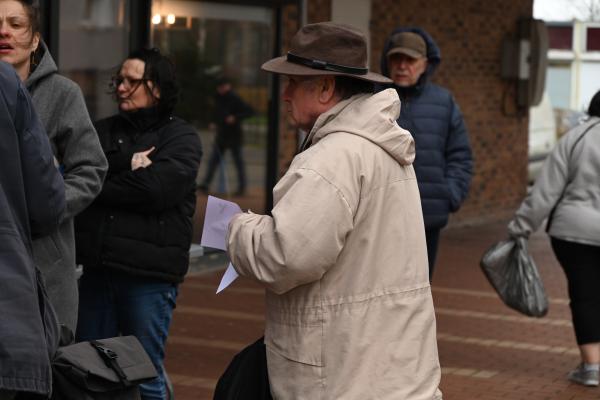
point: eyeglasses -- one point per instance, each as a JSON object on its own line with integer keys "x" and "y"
{"x": 128, "y": 83}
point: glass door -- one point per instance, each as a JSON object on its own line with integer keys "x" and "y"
{"x": 212, "y": 44}
{"x": 93, "y": 41}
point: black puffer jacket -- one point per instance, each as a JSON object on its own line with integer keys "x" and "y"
{"x": 141, "y": 223}
{"x": 444, "y": 162}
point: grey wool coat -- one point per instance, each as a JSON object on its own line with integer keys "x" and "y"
{"x": 62, "y": 110}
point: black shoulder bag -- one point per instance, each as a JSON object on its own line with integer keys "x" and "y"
{"x": 107, "y": 369}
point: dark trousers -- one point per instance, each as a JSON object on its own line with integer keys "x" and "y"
{"x": 7, "y": 394}
{"x": 581, "y": 264}
{"x": 432, "y": 236}
{"x": 218, "y": 153}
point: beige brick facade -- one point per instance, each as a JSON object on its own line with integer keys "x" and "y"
{"x": 469, "y": 34}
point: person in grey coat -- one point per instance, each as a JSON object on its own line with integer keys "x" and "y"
{"x": 62, "y": 110}
{"x": 567, "y": 192}
{"x": 32, "y": 200}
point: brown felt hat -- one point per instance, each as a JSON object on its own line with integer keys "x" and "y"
{"x": 409, "y": 43}
{"x": 326, "y": 48}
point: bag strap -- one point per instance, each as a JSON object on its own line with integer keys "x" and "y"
{"x": 110, "y": 359}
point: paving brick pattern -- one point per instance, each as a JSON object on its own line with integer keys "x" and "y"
{"x": 487, "y": 351}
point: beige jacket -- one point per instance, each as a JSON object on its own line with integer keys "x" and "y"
{"x": 349, "y": 307}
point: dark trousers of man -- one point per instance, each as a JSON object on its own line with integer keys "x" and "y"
{"x": 432, "y": 236}
{"x": 7, "y": 394}
{"x": 217, "y": 155}
{"x": 581, "y": 264}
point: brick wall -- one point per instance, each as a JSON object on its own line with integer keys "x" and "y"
{"x": 318, "y": 11}
{"x": 469, "y": 34}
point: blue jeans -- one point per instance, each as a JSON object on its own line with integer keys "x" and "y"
{"x": 112, "y": 303}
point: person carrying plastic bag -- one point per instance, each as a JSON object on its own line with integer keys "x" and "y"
{"x": 567, "y": 192}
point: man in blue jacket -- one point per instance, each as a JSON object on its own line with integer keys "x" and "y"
{"x": 443, "y": 162}
{"x": 32, "y": 200}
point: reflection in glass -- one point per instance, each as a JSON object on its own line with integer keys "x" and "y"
{"x": 94, "y": 39}
{"x": 209, "y": 41}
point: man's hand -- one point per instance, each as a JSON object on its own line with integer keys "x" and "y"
{"x": 141, "y": 160}
{"x": 230, "y": 119}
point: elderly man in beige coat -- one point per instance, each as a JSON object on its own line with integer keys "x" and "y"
{"x": 343, "y": 256}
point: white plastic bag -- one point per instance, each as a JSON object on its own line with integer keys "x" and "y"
{"x": 512, "y": 272}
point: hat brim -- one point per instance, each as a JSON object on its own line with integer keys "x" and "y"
{"x": 280, "y": 65}
{"x": 404, "y": 50}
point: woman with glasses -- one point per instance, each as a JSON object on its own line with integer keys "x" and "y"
{"x": 63, "y": 113}
{"x": 133, "y": 241}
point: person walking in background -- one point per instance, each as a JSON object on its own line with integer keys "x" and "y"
{"x": 343, "y": 256}
{"x": 229, "y": 112}
{"x": 567, "y": 192}
{"x": 62, "y": 110}
{"x": 134, "y": 240}
{"x": 443, "y": 162}
{"x": 32, "y": 200}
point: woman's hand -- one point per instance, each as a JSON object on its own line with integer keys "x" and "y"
{"x": 141, "y": 160}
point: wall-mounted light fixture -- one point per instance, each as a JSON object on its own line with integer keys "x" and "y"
{"x": 170, "y": 19}
{"x": 156, "y": 19}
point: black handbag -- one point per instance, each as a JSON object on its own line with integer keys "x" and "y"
{"x": 107, "y": 369}
{"x": 246, "y": 377}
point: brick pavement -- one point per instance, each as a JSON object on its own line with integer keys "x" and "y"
{"x": 487, "y": 351}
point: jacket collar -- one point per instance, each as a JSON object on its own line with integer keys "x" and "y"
{"x": 372, "y": 117}
{"x": 146, "y": 118}
{"x": 45, "y": 67}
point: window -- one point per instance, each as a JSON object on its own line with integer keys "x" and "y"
{"x": 558, "y": 85}
{"x": 560, "y": 37}
{"x": 93, "y": 40}
{"x": 593, "y": 39}
{"x": 208, "y": 40}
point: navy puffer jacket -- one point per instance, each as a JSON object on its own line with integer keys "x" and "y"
{"x": 443, "y": 162}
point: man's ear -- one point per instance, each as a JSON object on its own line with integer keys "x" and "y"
{"x": 326, "y": 89}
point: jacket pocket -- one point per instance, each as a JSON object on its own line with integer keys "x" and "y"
{"x": 46, "y": 251}
{"x": 297, "y": 339}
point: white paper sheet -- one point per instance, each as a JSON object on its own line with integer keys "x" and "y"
{"x": 216, "y": 221}
{"x": 228, "y": 277}
{"x": 214, "y": 233}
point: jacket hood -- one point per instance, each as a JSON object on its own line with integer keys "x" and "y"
{"x": 434, "y": 56}
{"x": 45, "y": 67}
{"x": 373, "y": 117}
